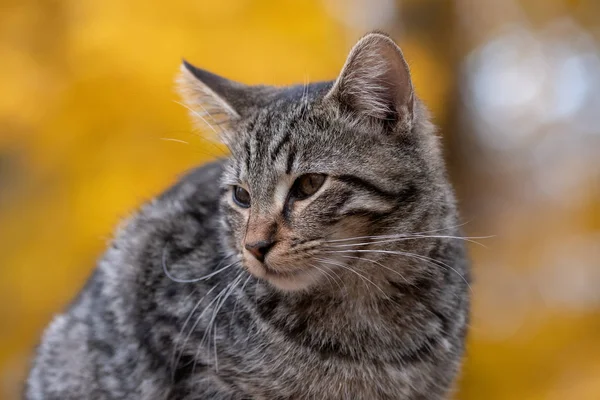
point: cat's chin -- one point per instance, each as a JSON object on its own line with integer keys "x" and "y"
{"x": 292, "y": 281}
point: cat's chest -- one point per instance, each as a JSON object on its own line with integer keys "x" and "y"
{"x": 270, "y": 366}
{"x": 278, "y": 352}
{"x": 309, "y": 379}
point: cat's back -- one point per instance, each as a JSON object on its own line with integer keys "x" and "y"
{"x": 101, "y": 337}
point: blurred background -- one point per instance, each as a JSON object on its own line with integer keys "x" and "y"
{"x": 89, "y": 129}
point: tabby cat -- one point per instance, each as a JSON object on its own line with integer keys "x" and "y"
{"x": 321, "y": 260}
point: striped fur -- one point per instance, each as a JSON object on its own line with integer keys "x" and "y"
{"x": 178, "y": 309}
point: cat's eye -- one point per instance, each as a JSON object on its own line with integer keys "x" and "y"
{"x": 241, "y": 197}
{"x": 307, "y": 185}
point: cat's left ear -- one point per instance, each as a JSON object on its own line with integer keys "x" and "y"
{"x": 375, "y": 82}
{"x": 212, "y": 99}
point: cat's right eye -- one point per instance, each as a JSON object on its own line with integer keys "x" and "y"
{"x": 241, "y": 197}
{"x": 307, "y": 185}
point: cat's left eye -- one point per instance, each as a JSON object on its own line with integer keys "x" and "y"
{"x": 307, "y": 185}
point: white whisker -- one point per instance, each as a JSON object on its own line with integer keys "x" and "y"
{"x": 238, "y": 298}
{"x": 174, "y": 140}
{"x": 196, "y": 324}
{"x": 173, "y": 362}
{"x": 197, "y": 114}
{"x": 353, "y": 271}
{"x": 399, "y": 238}
{"x": 407, "y": 254}
{"x": 213, "y": 322}
{"x": 396, "y": 235}
{"x": 378, "y": 263}
{"x": 171, "y": 277}
{"x": 329, "y": 277}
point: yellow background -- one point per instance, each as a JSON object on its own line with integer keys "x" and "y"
{"x": 89, "y": 129}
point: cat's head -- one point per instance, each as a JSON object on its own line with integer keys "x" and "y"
{"x": 315, "y": 165}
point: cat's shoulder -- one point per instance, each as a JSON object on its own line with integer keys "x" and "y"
{"x": 188, "y": 209}
{"x": 200, "y": 183}
{"x": 196, "y": 193}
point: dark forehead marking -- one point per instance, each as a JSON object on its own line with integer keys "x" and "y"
{"x": 250, "y": 126}
{"x": 290, "y": 159}
{"x": 238, "y": 169}
{"x": 284, "y": 139}
{"x": 248, "y": 154}
{"x": 251, "y": 123}
{"x": 266, "y": 135}
{"x": 287, "y": 130}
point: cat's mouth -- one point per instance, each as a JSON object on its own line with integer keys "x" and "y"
{"x": 264, "y": 270}
{"x": 288, "y": 280}
{"x": 270, "y": 272}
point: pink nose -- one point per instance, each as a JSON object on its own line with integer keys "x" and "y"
{"x": 259, "y": 249}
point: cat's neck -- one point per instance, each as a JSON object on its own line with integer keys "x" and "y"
{"x": 349, "y": 299}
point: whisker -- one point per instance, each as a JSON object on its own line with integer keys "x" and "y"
{"x": 213, "y": 322}
{"x": 378, "y": 263}
{"x": 335, "y": 274}
{"x": 408, "y": 254}
{"x": 238, "y": 298}
{"x": 216, "y": 123}
{"x": 171, "y": 277}
{"x": 350, "y": 269}
{"x": 216, "y": 299}
{"x": 396, "y": 235}
{"x": 174, "y": 140}
{"x": 197, "y": 322}
{"x": 329, "y": 277}
{"x": 202, "y": 149}
{"x": 406, "y": 237}
{"x": 304, "y": 99}
{"x": 197, "y": 114}
{"x": 173, "y": 362}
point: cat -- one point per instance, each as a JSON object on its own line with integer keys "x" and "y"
{"x": 322, "y": 259}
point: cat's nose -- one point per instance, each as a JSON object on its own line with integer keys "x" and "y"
{"x": 260, "y": 249}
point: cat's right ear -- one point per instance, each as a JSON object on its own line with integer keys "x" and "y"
{"x": 375, "y": 83}
{"x": 213, "y": 101}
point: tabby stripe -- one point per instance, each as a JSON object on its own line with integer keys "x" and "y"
{"x": 279, "y": 146}
{"x": 364, "y": 184}
{"x": 298, "y": 332}
{"x": 422, "y": 353}
{"x": 290, "y": 160}
{"x": 248, "y": 154}
{"x": 409, "y": 193}
{"x": 251, "y": 124}
{"x": 330, "y": 215}
{"x": 444, "y": 321}
{"x": 266, "y": 122}
{"x": 372, "y": 215}
{"x": 237, "y": 169}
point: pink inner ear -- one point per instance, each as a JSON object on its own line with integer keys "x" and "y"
{"x": 375, "y": 80}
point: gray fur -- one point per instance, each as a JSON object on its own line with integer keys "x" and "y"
{"x": 364, "y": 322}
